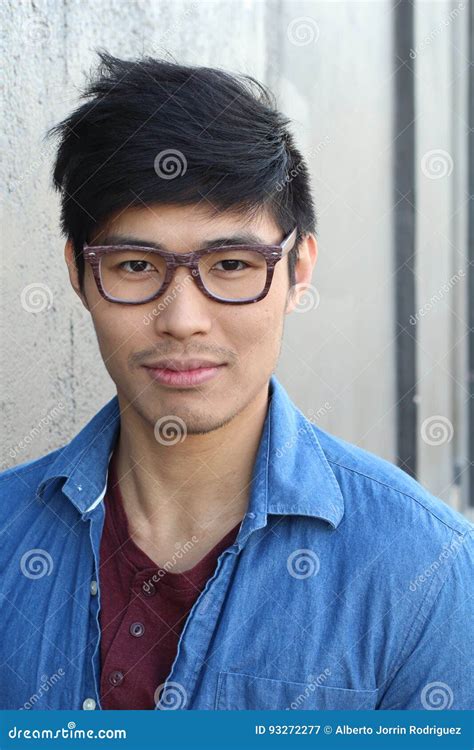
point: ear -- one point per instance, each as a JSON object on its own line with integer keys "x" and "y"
{"x": 73, "y": 272}
{"x": 307, "y": 257}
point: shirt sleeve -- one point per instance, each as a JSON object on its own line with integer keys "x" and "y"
{"x": 438, "y": 673}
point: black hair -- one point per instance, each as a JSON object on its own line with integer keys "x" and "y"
{"x": 221, "y": 131}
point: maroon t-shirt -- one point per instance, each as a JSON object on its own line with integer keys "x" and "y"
{"x": 143, "y": 609}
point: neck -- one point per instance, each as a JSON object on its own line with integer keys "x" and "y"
{"x": 200, "y": 486}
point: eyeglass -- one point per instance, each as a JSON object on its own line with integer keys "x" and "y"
{"x": 235, "y": 274}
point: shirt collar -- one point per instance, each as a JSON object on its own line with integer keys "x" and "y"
{"x": 292, "y": 475}
{"x": 84, "y": 462}
{"x": 291, "y": 472}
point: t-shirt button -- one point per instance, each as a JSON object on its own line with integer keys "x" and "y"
{"x": 137, "y": 629}
{"x": 94, "y": 588}
{"x": 148, "y": 589}
{"x": 115, "y": 678}
{"x": 89, "y": 704}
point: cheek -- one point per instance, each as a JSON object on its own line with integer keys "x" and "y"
{"x": 280, "y": 284}
{"x": 119, "y": 331}
{"x": 256, "y": 332}
{"x": 118, "y": 328}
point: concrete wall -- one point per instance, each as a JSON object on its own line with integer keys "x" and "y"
{"x": 332, "y": 66}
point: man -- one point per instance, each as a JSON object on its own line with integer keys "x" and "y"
{"x": 200, "y": 544}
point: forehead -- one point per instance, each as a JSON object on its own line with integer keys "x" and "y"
{"x": 182, "y": 228}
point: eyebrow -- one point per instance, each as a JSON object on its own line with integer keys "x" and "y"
{"x": 247, "y": 238}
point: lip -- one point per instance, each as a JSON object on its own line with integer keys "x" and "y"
{"x": 182, "y": 365}
{"x": 184, "y": 378}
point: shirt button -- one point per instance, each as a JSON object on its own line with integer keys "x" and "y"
{"x": 94, "y": 588}
{"x": 89, "y": 704}
{"x": 115, "y": 678}
{"x": 137, "y": 629}
{"x": 149, "y": 589}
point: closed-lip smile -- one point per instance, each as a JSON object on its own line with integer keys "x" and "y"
{"x": 184, "y": 373}
{"x": 183, "y": 365}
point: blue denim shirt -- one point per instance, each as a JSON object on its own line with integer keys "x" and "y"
{"x": 349, "y": 585}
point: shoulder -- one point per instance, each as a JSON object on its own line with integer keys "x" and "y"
{"x": 386, "y": 496}
{"x": 397, "y": 532}
{"x": 20, "y": 482}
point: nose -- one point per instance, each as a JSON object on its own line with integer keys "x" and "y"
{"x": 183, "y": 310}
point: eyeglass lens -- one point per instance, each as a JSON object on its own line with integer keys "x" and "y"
{"x": 133, "y": 276}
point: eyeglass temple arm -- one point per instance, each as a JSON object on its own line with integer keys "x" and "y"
{"x": 290, "y": 240}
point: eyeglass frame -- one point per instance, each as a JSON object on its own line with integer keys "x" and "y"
{"x": 272, "y": 253}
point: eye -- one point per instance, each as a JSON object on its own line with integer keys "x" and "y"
{"x": 232, "y": 265}
{"x": 137, "y": 266}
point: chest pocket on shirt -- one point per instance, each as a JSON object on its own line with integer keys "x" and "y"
{"x": 236, "y": 692}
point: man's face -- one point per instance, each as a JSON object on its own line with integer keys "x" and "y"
{"x": 246, "y": 338}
